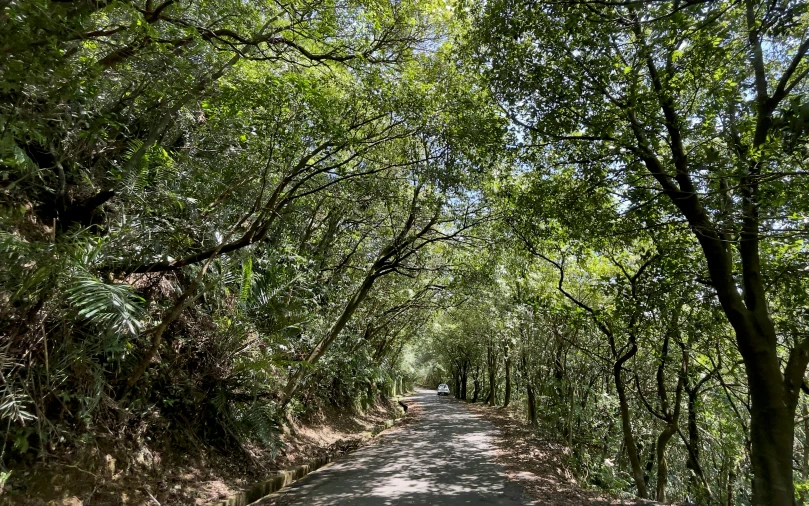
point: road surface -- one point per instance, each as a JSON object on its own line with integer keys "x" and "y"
{"x": 444, "y": 458}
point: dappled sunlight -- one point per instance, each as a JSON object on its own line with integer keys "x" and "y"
{"x": 480, "y": 440}
{"x": 537, "y": 465}
{"x": 395, "y": 487}
{"x": 444, "y": 458}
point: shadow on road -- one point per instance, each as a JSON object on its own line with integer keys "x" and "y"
{"x": 445, "y": 458}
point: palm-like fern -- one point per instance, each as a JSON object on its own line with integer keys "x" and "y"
{"x": 13, "y": 400}
{"x": 114, "y": 306}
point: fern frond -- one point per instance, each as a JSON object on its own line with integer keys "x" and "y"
{"x": 220, "y": 402}
{"x": 113, "y": 306}
{"x": 13, "y": 405}
{"x": 258, "y": 422}
{"x": 247, "y": 279}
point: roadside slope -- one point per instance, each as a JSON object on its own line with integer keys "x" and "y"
{"x": 157, "y": 472}
{"x": 538, "y": 466}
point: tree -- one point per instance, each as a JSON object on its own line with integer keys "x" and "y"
{"x": 421, "y": 228}
{"x": 214, "y": 203}
{"x": 703, "y": 101}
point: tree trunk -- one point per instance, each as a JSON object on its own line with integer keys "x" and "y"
{"x": 507, "y": 395}
{"x": 464, "y": 379}
{"x": 529, "y": 387}
{"x": 662, "y": 467}
{"x": 626, "y": 425}
{"x": 650, "y": 462}
{"x": 491, "y": 359}
{"x": 671, "y": 416}
{"x": 571, "y": 408}
{"x": 697, "y": 480}
{"x": 773, "y": 394}
{"x": 476, "y": 383}
{"x": 558, "y": 370}
{"x": 532, "y": 405}
{"x": 805, "y": 461}
{"x": 731, "y": 479}
{"x": 772, "y": 429}
{"x": 490, "y": 399}
{"x": 693, "y": 435}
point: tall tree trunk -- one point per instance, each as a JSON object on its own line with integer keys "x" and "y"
{"x": 455, "y": 383}
{"x": 772, "y": 428}
{"x": 507, "y": 394}
{"x": 662, "y": 467}
{"x": 491, "y": 359}
{"x": 571, "y": 392}
{"x": 464, "y": 379}
{"x": 671, "y": 416}
{"x": 626, "y": 423}
{"x": 532, "y": 405}
{"x": 529, "y": 387}
{"x": 773, "y": 394}
{"x": 476, "y": 383}
{"x": 731, "y": 479}
{"x": 650, "y": 462}
{"x": 490, "y": 399}
{"x": 558, "y": 369}
{"x": 693, "y": 436}
{"x": 697, "y": 480}
{"x": 805, "y": 461}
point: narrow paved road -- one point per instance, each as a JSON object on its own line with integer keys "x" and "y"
{"x": 445, "y": 458}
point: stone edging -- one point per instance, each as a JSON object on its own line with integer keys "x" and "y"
{"x": 286, "y": 477}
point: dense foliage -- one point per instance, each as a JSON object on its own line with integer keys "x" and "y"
{"x": 219, "y": 208}
{"x": 219, "y": 213}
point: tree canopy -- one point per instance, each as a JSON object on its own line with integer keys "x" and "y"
{"x": 593, "y": 213}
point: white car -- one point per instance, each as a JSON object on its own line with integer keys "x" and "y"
{"x": 443, "y": 389}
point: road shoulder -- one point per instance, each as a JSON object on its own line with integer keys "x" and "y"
{"x": 538, "y": 466}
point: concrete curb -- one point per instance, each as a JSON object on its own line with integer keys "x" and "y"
{"x": 286, "y": 477}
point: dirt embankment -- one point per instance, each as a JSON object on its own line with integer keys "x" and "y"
{"x": 154, "y": 472}
{"x": 539, "y": 466}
